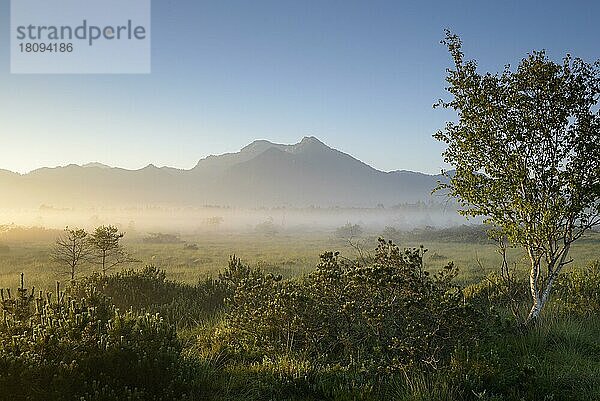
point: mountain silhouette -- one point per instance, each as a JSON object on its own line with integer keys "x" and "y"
{"x": 262, "y": 174}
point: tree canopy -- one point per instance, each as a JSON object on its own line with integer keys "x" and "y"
{"x": 526, "y": 154}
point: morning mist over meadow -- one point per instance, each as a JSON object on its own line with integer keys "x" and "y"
{"x": 279, "y": 200}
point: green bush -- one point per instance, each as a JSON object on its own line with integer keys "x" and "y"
{"x": 578, "y": 291}
{"x": 349, "y": 231}
{"x": 149, "y": 290}
{"x": 54, "y": 347}
{"x": 472, "y": 234}
{"x": 499, "y": 299}
{"x": 386, "y": 316}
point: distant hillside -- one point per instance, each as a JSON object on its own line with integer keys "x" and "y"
{"x": 262, "y": 174}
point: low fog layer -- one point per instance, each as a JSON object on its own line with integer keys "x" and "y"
{"x": 190, "y": 220}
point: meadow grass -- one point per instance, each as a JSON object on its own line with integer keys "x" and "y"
{"x": 288, "y": 254}
{"x": 556, "y": 359}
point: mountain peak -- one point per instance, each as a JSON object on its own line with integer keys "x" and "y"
{"x": 95, "y": 164}
{"x": 268, "y": 174}
{"x": 150, "y": 166}
{"x": 310, "y": 143}
{"x": 260, "y": 145}
{"x": 311, "y": 139}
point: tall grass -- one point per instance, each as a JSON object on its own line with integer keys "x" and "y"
{"x": 557, "y": 358}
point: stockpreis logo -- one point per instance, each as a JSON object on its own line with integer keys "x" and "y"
{"x": 80, "y": 36}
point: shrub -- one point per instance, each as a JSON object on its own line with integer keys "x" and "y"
{"x": 149, "y": 290}
{"x": 392, "y": 233}
{"x": 162, "y": 238}
{"x": 387, "y": 315}
{"x": 495, "y": 293}
{"x": 54, "y": 347}
{"x": 268, "y": 228}
{"x": 473, "y": 234}
{"x": 578, "y": 291}
{"x": 349, "y": 231}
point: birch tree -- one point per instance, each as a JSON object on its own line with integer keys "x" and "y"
{"x": 526, "y": 154}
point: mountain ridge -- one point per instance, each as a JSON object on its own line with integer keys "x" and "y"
{"x": 261, "y": 174}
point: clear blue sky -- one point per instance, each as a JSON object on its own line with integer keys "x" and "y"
{"x": 360, "y": 75}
